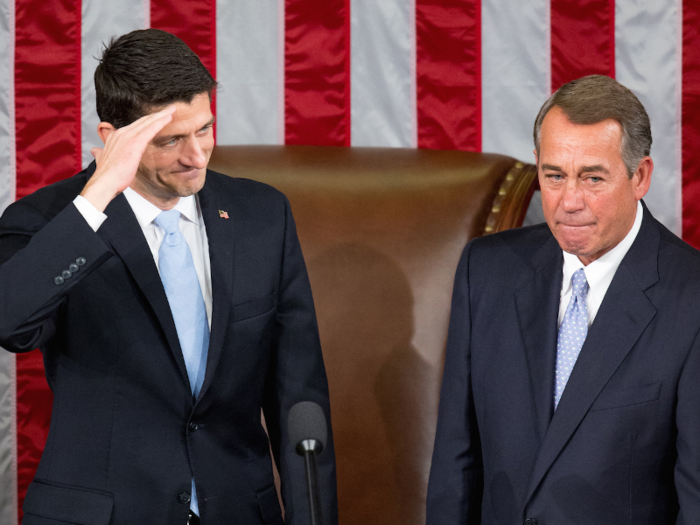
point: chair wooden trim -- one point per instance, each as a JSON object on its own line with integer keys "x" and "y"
{"x": 510, "y": 204}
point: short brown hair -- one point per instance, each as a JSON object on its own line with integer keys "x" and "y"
{"x": 144, "y": 70}
{"x": 592, "y": 99}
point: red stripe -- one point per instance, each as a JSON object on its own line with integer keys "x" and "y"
{"x": 194, "y": 23}
{"x": 690, "y": 123}
{"x": 317, "y": 72}
{"x": 47, "y": 79}
{"x": 448, "y": 74}
{"x": 583, "y": 39}
{"x": 34, "y": 402}
{"x": 47, "y": 124}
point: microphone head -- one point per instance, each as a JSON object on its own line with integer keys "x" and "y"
{"x": 306, "y": 421}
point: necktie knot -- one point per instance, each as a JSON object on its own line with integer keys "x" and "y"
{"x": 579, "y": 283}
{"x": 170, "y": 222}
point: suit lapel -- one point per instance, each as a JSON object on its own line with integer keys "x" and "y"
{"x": 538, "y": 307}
{"x": 122, "y": 231}
{"x": 220, "y": 236}
{"x": 623, "y": 315}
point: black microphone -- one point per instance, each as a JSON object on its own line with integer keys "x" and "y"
{"x": 306, "y": 426}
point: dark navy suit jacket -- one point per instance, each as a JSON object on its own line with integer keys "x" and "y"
{"x": 624, "y": 443}
{"x": 126, "y": 435}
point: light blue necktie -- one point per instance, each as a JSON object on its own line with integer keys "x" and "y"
{"x": 186, "y": 303}
{"x": 572, "y": 333}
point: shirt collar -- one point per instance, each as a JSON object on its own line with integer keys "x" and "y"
{"x": 602, "y": 269}
{"x": 146, "y": 211}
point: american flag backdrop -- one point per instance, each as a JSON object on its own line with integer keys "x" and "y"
{"x": 445, "y": 74}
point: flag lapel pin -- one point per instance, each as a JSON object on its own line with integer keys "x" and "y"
{"x": 223, "y": 214}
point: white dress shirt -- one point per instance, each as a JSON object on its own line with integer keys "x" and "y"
{"x": 599, "y": 273}
{"x": 191, "y": 226}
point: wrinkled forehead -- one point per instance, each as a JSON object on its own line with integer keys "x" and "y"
{"x": 558, "y": 131}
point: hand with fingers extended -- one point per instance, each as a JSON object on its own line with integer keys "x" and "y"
{"x": 119, "y": 160}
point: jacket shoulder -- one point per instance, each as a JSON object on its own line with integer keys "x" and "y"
{"x": 678, "y": 247}
{"x": 519, "y": 244}
{"x": 506, "y": 260}
{"x": 249, "y": 198}
{"x": 245, "y": 187}
{"x": 678, "y": 261}
{"x": 45, "y": 203}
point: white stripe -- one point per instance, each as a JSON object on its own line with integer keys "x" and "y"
{"x": 281, "y": 123}
{"x": 414, "y": 78}
{"x": 679, "y": 116}
{"x": 8, "y": 441}
{"x": 516, "y": 78}
{"x": 247, "y": 68}
{"x": 515, "y": 73}
{"x": 647, "y": 60}
{"x": 382, "y": 73}
{"x": 101, "y": 21}
{"x": 7, "y": 104}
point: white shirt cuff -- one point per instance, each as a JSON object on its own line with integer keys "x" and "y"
{"x": 92, "y": 215}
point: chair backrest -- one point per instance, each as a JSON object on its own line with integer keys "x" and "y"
{"x": 382, "y": 231}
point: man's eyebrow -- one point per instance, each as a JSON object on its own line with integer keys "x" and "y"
{"x": 596, "y": 168}
{"x": 168, "y": 138}
{"x": 551, "y": 167}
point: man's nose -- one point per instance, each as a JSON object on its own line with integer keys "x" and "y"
{"x": 572, "y": 196}
{"x": 193, "y": 155}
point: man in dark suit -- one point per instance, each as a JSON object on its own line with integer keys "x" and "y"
{"x": 171, "y": 304}
{"x": 571, "y": 386}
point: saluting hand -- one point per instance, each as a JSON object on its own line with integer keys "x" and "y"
{"x": 119, "y": 160}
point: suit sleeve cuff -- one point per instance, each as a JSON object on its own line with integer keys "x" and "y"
{"x": 92, "y": 215}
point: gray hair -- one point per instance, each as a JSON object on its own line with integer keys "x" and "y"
{"x": 592, "y": 99}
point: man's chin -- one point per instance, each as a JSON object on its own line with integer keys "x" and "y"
{"x": 186, "y": 192}
{"x": 573, "y": 246}
{"x": 191, "y": 187}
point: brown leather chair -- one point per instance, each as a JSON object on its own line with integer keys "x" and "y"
{"x": 382, "y": 231}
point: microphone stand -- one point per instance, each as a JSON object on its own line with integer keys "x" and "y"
{"x": 308, "y": 449}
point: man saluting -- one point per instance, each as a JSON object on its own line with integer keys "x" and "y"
{"x": 171, "y": 304}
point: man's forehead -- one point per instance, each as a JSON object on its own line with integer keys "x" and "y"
{"x": 557, "y": 117}
{"x": 558, "y": 129}
{"x": 184, "y": 102}
{"x": 189, "y": 117}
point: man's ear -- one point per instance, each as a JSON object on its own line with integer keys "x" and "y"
{"x": 104, "y": 130}
{"x": 536, "y": 159}
{"x": 642, "y": 177}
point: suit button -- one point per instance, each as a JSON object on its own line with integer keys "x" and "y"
{"x": 184, "y": 498}
{"x": 58, "y": 280}
{"x": 80, "y": 261}
{"x": 66, "y": 274}
{"x": 73, "y": 267}
{"x": 530, "y": 521}
{"x": 193, "y": 426}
